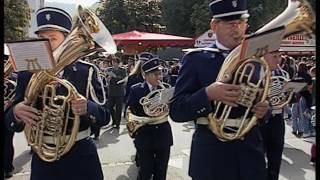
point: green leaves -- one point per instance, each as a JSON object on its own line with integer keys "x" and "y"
{"x": 17, "y": 17}
{"x": 126, "y": 15}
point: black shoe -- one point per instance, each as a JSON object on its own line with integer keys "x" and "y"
{"x": 96, "y": 138}
{"x": 294, "y": 133}
{"x": 8, "y": 174}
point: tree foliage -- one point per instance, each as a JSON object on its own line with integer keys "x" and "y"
{"x": 126, "y": 15}
{"x": 192, "y": 18}
{"x": 17, "y": 17}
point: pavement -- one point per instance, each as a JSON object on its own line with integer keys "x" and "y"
{"x": 116, "y": 152}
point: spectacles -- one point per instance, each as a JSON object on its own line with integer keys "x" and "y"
{"x": 237, "y": 23}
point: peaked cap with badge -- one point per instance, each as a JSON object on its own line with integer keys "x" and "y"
{"x": 229, "y": 9}
{"x": 51, "y": 18}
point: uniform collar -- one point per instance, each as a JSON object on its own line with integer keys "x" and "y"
{"x": 221, "y": 47}
{"x": 149, "y": 85}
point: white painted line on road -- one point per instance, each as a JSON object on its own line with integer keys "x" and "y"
{"x": 287, "y": 159}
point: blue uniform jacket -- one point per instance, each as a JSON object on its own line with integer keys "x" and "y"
{"x": 77, "y": 74}
{"x": 83, "y": 150}
{"x": 211, "y": 158}
{"x": 149, "y": 136}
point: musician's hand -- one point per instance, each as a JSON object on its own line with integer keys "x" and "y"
{"x": 79, "y": 106}
{"x": 260, "y": 109}
{"x": 227, "y": 93}
{"x": 26, "y": 113}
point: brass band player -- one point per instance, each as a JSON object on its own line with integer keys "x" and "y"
{"x": 82, "y": 161}
{"x": 152, "y": 134}
{"x": 273, "y": 129}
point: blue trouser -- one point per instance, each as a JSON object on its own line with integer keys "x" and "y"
{"x": 8, "y": 151}
{"x": 296, "y": 120}
{"x": 273, "y": 138}
{"x": 80, "y": 163}
{"x": 212, "y": 159}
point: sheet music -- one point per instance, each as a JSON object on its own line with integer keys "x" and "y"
{"x": 294, "y": 86}
{"x": 260, "y": 44}
{"x": 166, "y": 95}
{"x": 32, "y": 55}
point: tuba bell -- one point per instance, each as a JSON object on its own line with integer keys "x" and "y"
{"x": 155, "y": 105}
{"x": 49, "y": 137}
{"x": 297, "y": 17}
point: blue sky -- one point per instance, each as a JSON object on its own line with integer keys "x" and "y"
{"x": 82, "y": 2}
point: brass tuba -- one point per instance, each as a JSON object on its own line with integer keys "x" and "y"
{"x": 297, "y": 17}
{"x": 49, "y": 137}
{"x": 155, "y": 105}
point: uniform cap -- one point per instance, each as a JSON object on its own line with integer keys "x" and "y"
{"x": 229, "y": 9}
{"x": 51, "y": 18}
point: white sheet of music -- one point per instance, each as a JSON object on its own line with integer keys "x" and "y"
{"x": 166, "y": 95}
{"x": 260, "y": 44}
{"x": 33, "y": 55}
{"x": 294, "y": 86}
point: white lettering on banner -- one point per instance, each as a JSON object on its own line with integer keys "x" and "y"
{"x": 298, "y": 40}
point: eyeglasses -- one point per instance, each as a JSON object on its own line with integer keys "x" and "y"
{"x": 236, "y": 23}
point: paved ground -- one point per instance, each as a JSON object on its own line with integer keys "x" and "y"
{"x": 116, "y": 152}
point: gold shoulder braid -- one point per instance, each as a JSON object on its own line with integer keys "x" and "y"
{"x": 90, "y": 91}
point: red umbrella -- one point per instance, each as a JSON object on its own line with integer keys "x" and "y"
{"x": 145, "y": 39}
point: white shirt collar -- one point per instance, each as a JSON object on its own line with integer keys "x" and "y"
{"x": 149, "y": 85}
{"x": 220, "y": 46}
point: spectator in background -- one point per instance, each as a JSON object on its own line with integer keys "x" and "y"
{"x": 116, "y": 91}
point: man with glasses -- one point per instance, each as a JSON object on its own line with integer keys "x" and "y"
{"x": 196, "y": 88}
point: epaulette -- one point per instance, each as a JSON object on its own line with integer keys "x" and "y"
{"x": 192, "y": 50}
{"x": 137, "y": 85}
{"x": 90, "y": 64}
{"x": 86, "y": 62}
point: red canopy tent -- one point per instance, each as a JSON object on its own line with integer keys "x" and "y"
{"x": 135, "y": 41}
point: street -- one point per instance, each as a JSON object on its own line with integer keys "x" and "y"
{"x": 116, "y": 152}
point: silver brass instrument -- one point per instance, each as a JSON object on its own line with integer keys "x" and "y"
{"x": 277, "y": 96}
{"x": 297, "y": 17}
{"x": 49, "y": 137}
{"x": 155, "y": 104}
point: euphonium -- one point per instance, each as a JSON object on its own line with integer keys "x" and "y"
{"x": 49, "y": 137}
{"x": 297, "y": 17}
{"x": 155, "y": 104}
{"x": 278, "y": 98}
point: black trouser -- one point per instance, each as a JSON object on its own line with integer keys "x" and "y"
{"x": 153, "y": 162}
{"x": 95, "y": 129}
{"x": 8, "y": 151}
{"x": 115, "y": 108}
{"x": 273, "y": 139}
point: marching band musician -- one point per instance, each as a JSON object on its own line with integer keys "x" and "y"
{"x": 273, "y": 129}
{"x": 8, "y": 133}
{"x": 196, "y": 87}
{"x": 82, "y": 161}
{"x": 136, "y": 75}
{"x": 152, "y": 141}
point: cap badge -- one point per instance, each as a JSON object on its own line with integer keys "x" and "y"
{"x": 234, "y": 3}
{"x": 48, "y": 17}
